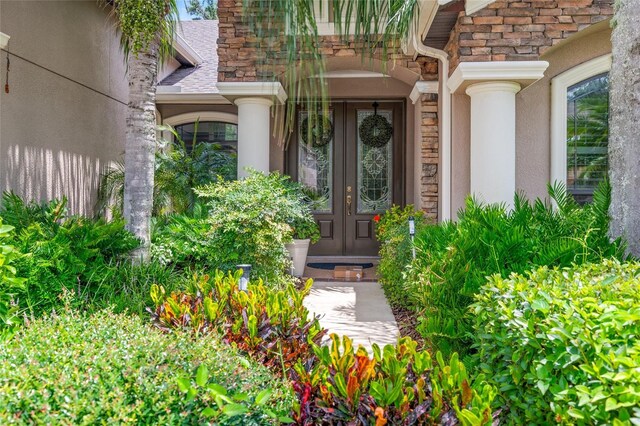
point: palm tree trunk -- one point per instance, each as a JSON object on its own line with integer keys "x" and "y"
{"x": 140, "y": 147}
{"x": 624, "y": 145}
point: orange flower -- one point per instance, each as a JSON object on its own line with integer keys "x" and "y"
{"x": 379, "y": 414}
{"x": 376, "y": 218}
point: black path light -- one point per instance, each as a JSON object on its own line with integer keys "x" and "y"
{"x": 412, "y": 234}
{"x": 244, "y": 279}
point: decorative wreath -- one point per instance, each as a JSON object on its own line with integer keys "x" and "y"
{"x": 321, "y": 133}
{"x": 375, "y": 131}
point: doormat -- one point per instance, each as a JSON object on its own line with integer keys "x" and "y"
{"x": 330, "y": 266}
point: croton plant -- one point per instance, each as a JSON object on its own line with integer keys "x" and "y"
{"x": 336, "y": 384}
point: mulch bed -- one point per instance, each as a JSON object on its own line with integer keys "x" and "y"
{"x": 407, "y": 321}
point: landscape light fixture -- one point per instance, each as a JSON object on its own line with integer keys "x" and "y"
{"x": 244, "y": 279}
{"x": 412, "y": 234}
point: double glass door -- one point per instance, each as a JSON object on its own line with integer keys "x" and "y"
{"x": 351, "y": 168}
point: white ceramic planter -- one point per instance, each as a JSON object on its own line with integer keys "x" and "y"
{"x": 298, "y": 250}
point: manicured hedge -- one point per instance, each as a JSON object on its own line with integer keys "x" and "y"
{"x": 114, "y": 369}
{"x": 563, "y": 345}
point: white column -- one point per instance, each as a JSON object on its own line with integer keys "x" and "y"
{"x": 493, "y": 141}
{"x": 254, "y": 117}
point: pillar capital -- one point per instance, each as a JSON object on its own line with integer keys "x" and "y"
{"x": 271, "y": 90}
{"x": 471, "y": 73}
{"x": 253, "y": 101}
{"x": 493, "y": 86}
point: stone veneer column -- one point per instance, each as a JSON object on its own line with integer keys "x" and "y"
{"x": 254, "y": 115}
{"x": 493, "y": 140}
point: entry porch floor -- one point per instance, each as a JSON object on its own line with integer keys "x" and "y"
{"x": 358, "y": 310}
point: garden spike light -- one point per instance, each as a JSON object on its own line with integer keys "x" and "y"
{"x": 244, "y": 279}
{"x": 412, "y": 234}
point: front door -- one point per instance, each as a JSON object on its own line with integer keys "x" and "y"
{"x": 351, "y": 172}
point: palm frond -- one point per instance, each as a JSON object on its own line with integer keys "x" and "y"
{"x": 290, "y": 47}
{"x": 564, "y": 200}
{"x": 111, "y": 191}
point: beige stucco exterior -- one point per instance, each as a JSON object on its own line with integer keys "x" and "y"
{"x": 533, "y": 129}
{"x": 63, "y": 121}
{"x": 533, "y": 118}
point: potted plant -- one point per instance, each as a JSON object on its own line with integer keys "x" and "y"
{"x": 305, "y": 232}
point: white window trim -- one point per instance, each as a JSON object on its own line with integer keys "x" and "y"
{"x": 559, "y": 86}
{"x": 192, "y": 117}
{"x": 200, "y": 116}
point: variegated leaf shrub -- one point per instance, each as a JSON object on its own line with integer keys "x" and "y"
{"x": 399, "y": 385}
{"x": 563, "y": 345}
{"x": 271, "y": 325}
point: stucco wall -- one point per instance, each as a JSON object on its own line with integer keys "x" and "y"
{"x": 533, "y": 118}
{"x": 460, "y": 153}
{"x": 63, "y": 120}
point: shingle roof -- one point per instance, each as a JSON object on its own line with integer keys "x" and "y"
{"x": 202, "y": 36}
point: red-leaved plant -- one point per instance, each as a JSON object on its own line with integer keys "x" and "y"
{"x": 399, "y": 385}
{"x": 272, "y": 326}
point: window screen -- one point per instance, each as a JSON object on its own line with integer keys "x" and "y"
{"x": 587, "y": 136}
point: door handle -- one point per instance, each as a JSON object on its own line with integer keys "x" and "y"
{"x": 348, "y": 205}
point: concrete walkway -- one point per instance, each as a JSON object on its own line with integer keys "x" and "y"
{"x": 356, "y": 309}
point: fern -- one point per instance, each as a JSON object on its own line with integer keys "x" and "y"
{"x": 180, "y": 168}
{"x": 455, "y": 259}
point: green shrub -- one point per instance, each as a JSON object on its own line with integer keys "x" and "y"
{"x": 396, "y": 251}
{"x": 245, "y": 221}
{"x": 61, "y": 252}
{"x": 126, "y": 287}
{"x": 455, "y": 258}
{"x": 563, "y": 345}
{"x": 9, "y": 283}
{"x": 398, "y": 385}
{"x": 113, "y": 369}
{"x": 271, "y": 325}
{"x": 178, "y": 170}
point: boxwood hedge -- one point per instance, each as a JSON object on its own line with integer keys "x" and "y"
{"x": 563, "y": 345}
{"x": 114, "y": 369}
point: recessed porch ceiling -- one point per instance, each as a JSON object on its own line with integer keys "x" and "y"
{"x": 438, "y": 34}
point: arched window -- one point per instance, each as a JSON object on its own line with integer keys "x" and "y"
{"x": 212, "y": 127}
{"x": 223, "y": 134}
{"x": 580, "y": 127}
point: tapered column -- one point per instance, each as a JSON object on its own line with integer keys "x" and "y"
{"x": 254, "y": 117}
{"x": 492, "y": 87}
{"x": 493, "y": 141}
{"x": 254, "y": 100}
